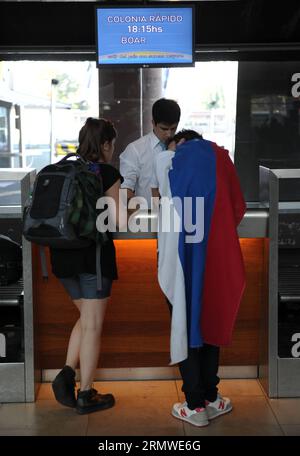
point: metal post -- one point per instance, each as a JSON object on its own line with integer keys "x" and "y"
{"x": 19, "y": 120}
{"x": 54, "y": 83}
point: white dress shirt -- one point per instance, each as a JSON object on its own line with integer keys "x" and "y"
{"x": 137, "y": 164}
{"x": 162, "y": 165}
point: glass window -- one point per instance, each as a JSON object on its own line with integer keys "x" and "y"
{"x": 207, "y": 96}
{"x": 3, "y": 129}
{"x": 268, "y": 121}
{"x": 10, "y": 193}
{"x": 50, "y": 102}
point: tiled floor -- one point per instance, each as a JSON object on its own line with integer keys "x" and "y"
{"x": 143, "y": 409}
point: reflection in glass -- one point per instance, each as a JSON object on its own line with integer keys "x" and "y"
{"x": 268, "y": 121}
{"x": 10, "y": 193}
{"x": 207, "y": 96}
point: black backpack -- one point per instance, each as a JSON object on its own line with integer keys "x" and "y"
{"x": 10, "y": 261}
{"x": 62, "y": 212}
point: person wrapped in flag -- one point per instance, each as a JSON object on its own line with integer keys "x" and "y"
{"x": 200, "y": 265}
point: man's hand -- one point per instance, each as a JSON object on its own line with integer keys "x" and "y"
{"x": 172, "y": 146}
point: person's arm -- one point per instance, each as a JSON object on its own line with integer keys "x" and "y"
{"x": 154, "y": 179}
{"x": 155, "y": 193}
{"x": 129, "y": 169}
{"x": 118, "y": 216}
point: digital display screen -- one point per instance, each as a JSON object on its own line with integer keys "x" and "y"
{"x": 145, "y": 36}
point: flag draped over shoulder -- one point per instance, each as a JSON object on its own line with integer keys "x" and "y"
{"x": 203, "y": 277}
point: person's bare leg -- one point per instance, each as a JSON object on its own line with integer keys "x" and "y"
{"x": 74, "y": 341}
{"x": 91, "y": 321}
{"x": 64, "y": 383}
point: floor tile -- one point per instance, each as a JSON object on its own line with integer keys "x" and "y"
{"x": 291, "y": 429}
{"x": 27, "y": 432}
{"x": 138, "y": 416}
{"x": 242, "y": 430}
{"x": 240, "y": 388}
{"x": 256, "y": 411}
{"x": 45, "y": 392}
{"x": 287, "y": 411}
{"x": 144, "y": 408}
{"x": 43, "y": 417}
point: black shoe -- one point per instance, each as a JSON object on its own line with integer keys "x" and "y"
{"x": 64, "y": 387}
{"x": 91, "y": 401}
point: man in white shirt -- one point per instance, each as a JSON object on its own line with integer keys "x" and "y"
{"x": 137, "y": 160}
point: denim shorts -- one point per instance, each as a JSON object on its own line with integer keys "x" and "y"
{"x": 84, "y": 286}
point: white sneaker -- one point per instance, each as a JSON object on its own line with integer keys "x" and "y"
{"x": 197, "y": 417}
{"x": 219, "y": 407}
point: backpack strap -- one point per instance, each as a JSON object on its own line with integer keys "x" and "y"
{"x": 73, "y": 154}
{"x": 75, "y": 217}
{"x": 70, "y": 154}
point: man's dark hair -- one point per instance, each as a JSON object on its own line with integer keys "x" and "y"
{"x": 186, "y": 134}
{"x": 165, "y": 111}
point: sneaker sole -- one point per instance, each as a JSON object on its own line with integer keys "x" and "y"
{"x": 175, "y": 414}
{"x": 95, "y": 408}
{"x": 62, "y": 399}
{"x": 219, "y": 413}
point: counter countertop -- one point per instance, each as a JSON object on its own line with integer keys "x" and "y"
{"x": 253, "y": 225}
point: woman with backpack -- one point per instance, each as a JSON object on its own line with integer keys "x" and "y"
{"x": 76, "y": 269}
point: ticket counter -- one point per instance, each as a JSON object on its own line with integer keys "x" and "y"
{"x": 136, "y": 328}
{"x": 279, "y": 364}
{"x": 19, "y": 373}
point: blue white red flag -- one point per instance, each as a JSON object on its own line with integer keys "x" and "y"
{"x": 201, "y": 268}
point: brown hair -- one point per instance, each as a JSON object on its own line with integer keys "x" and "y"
{"x": 92, "y": 136}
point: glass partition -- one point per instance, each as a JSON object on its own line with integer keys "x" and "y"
{"x": 42, "y": 107}
{"x": 268, "y": 121}
{"x": 206, "y": 94}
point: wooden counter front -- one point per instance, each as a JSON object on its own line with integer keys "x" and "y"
{"x": 136, "y": 328}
